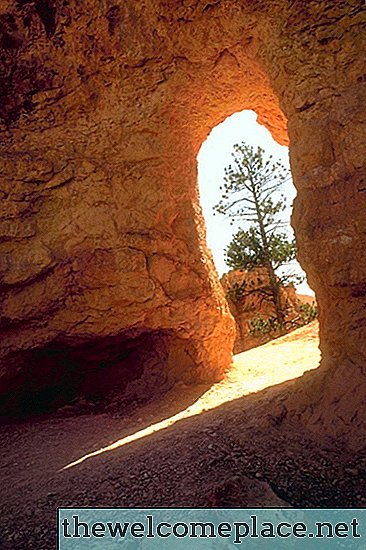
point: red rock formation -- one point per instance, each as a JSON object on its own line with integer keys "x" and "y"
{"x": 306, "y": 299}
{"x": 245, "y": 309}
{"x": 104, "y": 106}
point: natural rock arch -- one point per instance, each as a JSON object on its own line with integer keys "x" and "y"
{"x": 104, "y": 107}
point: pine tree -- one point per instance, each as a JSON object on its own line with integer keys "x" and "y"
{"x": 250, "y": 194}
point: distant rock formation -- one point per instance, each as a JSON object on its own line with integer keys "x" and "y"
{"x": 246, "y": 308}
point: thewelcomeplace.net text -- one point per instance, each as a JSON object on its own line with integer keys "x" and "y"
{"x": 250, "y": 527}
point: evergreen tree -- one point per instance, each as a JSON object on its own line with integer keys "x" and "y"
{"x": 250, "y": 194}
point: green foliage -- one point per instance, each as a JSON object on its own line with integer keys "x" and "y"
{"x": 308, "y": 312}
{"x": 236, "y": 291}
{"x": 249, "y": 184}
{"x": 261, "y": 326}
{"x": 250, "y": 194}
{"x": 246, "y": 250}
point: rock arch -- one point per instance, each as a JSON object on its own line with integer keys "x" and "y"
{"x": 104, "y": 107}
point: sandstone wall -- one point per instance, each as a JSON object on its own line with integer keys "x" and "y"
{"x": 103, "y": 109}
{"x": 101, "y": 230}
{"x": 322, "y": 91}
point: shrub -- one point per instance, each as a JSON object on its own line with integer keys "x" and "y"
{"x": 260, "y": 326}
{"x": 308, "y": 312}
{"x": 236, "y": 291}
{"x": 263, "y": 325}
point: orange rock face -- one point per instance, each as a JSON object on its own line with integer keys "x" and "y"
{"x": 104, "y": 106}
{"x": 246, "y": 308}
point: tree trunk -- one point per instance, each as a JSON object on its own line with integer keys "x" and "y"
{"x": 273, "y": 280}
{"x": 276, "y": 293}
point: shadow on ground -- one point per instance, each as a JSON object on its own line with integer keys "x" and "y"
{"x": 243, "y": 452}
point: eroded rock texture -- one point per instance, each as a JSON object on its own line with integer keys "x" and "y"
{"x": 245, "y": 307}
{"x": 104, "y": 105}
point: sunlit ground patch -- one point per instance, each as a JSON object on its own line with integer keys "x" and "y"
{"x": 252, "y": 371}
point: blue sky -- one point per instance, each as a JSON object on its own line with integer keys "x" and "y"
{"x": 214, "y": 156}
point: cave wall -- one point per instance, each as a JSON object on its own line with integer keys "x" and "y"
{"x": 101, "y": 233}
{"x": 323, "y": 94}
{"x": 104, "y": 106}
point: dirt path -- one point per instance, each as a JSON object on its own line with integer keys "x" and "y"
{"x": 196, "y": 446}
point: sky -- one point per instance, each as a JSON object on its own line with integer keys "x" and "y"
{"x": 214, "y": 156}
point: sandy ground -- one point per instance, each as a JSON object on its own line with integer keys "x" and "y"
{"x": 283, "y": 359}
{"x": 196, "y": 446}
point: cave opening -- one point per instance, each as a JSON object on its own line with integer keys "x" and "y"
{"x": 108, "y": 373}
{"x": 214, "y": 157}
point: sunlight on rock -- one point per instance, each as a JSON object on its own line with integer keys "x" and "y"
{"x": 252, "y": 371}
